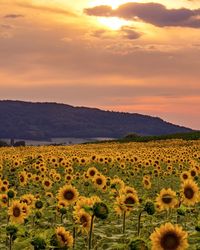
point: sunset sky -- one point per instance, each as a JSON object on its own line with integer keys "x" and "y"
{"x": 135, "y": 56}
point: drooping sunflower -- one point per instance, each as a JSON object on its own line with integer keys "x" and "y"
{"x": 116, "y": 184}
{"x": 166, "y": 199}
{"x": 84, "y": 220}
{"x": 68, "y": 194}
{"x": 85, "y": 202}
{"x": 189, "y": 192}
{"x": 16, "y": 212}
{"x": 64, "y": 238}
{"x": 169, "y": 237}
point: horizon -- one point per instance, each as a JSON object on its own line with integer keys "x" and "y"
{"x": 115, "y": 55}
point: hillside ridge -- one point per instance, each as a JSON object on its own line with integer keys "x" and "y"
{"x": 44, "y": 120}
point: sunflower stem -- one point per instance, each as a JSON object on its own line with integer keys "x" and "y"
{"x": 10, "y": 242}
{"x": 33, "y": 220}
{"x": 61, "y": 218}
{"x": 124, "y": 222}
{"x": 139, "y": 222}
{"x": 90, "y": 235}
{"x": 74, "y": 236}
{"x": 8, "y": 218}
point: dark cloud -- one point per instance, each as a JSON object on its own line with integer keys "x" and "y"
{"x": 13, "y": 16}
{"x": 102, "y": 10}
{"x": 153, "y": 13}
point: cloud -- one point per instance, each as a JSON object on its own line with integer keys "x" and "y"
{"x": 126, "y": 32}
{"x": 99, "y": 33}
{"x": 13, "y": 16}
{"x": 6, "y": 26}
{"x": 130, "y": 33}
{"x": 54, "y": 10}
{"x": 152, "y": 13}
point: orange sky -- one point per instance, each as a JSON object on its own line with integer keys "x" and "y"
{"x": 135, "y": 56}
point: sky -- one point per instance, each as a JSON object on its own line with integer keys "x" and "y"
{"x": 135, "y": 56}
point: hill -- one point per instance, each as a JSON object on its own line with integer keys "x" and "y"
{"x": 41, "y": 121}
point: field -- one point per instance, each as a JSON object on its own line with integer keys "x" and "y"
{"x": 101, "y": 196}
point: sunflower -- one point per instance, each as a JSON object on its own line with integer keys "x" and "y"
{"x": 36, "y": 178}
{"x": 125, "y": 203}
{"x": 26, "y": 209}
{"x": 5, "y": 182}
{"x": 84, "y": 220}
{"x": 193, "y": 172}
{"x": 23, "y": 178}
{"x": 189, "y": 192}
{"x": 185, "y": 176}
{"x": 166, "y": 199}
{"x": 146, "y": 183}
{"x": 16, "y": 212}
{"x": 169, "y": 237}
{"x": 128, "y": 190}
{"x": 49, "y": 195}
{"x": 47, "y": 184}
{"x": 99, "y": 181}
{"x": 29, "y": 199}
{"x": 68, "y": 178}
{"x": 68, "y": 194}
{"x": 4, "y": 200}
{"x": 64, "y": 238}
{"x": 91, "y": 172}
{"x": 56, "y": 177}
{"x": 29, "y": 175}
{"x": 3, "y": 188}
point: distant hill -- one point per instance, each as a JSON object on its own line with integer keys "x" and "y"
{"x": 41, "y": 121}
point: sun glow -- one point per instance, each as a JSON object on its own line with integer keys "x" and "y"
{"x": 113, "y": 3}
{"x": 113, "y": 23}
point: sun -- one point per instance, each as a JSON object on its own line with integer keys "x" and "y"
{"x": 113, "y": 23}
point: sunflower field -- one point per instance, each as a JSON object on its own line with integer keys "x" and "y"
{"x": 112, "y": 196}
